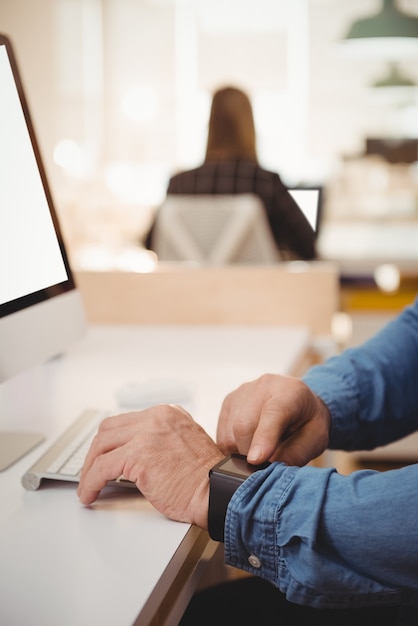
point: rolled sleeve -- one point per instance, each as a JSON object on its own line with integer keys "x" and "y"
{"x": 297, "y": 528}
{"x": 372, "y": 391}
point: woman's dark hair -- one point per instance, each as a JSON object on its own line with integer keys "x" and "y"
{"x": 231, "y": 132}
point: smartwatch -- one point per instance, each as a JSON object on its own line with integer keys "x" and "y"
{"x": 224, "y": 479}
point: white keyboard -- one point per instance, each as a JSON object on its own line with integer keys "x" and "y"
{"x": 64, "y": 459}
{"x": 70, "y": 461}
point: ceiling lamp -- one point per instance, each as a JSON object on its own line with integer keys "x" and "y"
{"x": 390, "y": 33}
{"x": 394, "y": 78}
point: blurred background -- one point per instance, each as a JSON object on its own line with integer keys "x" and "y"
{"x": 120, "y": 92}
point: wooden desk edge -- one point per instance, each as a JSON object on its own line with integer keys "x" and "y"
{"x": 170, "y": 597}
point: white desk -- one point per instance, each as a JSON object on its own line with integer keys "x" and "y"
{"x": 118, "y": 562}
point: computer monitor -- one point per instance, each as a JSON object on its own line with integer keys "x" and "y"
{"x": 309, "y": 200}
{"x": 41, "y": 312}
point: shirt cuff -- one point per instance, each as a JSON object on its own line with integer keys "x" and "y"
{"x": 250, "y": 523}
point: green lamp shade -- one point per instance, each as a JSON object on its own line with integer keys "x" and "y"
{"x": 388, "y": 22}
{"x": 394, "y": 78}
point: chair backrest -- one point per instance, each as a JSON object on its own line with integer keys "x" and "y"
{"x": 214, "y": 230}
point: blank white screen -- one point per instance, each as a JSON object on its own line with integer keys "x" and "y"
{"x": 308, "y": 202}
{"x": 30, "y": 257}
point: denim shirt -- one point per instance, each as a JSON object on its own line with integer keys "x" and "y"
{"x": 328, "y": 540}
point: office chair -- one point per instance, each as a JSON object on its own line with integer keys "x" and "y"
{"x": 214, "y": 230}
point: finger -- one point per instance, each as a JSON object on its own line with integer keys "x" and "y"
{"x": 270, "y": 431}
{"x": 279, "y": 419}
{"x": 102, "y": 441}
{"x": 300, "y": 448}
{"x": 225, "y": 438}
{"x": 237, "y": 420}
{"x": 104, "y": 468}
{"x": 114, "y": 431}
{"x": 107, "y": 440}
{"x": 306, "y": 443}
{"x": 236, "y": 436}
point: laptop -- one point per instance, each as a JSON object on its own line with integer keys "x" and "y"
{"x": 309, "y": 200}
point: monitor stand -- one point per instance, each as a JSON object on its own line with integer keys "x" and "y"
{"x": 15, "y": 445}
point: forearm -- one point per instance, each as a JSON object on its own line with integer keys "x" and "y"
{"x": 372, "y": 391}
{"x": 326, "y": 539}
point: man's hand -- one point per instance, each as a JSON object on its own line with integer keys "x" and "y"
{"x": 276, "y": 418}
{"x": 164, "y": 452}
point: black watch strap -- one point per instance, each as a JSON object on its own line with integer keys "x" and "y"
{"x": 224, "y": 479}
{"x": 221, "y": 490}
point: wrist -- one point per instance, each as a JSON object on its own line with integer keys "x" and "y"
{"x": 201, "y": 495}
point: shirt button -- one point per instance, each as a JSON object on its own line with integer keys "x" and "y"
{"x": 254, "y": 561}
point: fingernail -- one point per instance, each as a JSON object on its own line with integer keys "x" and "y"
{"x": 254, "y": 454}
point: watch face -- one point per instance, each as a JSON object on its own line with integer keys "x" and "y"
{"x": 236, "y": 465}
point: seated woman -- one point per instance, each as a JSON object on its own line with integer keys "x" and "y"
{"x": 231, "y": 167}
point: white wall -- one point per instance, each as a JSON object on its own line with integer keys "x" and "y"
{"x": 313, "y": 105}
